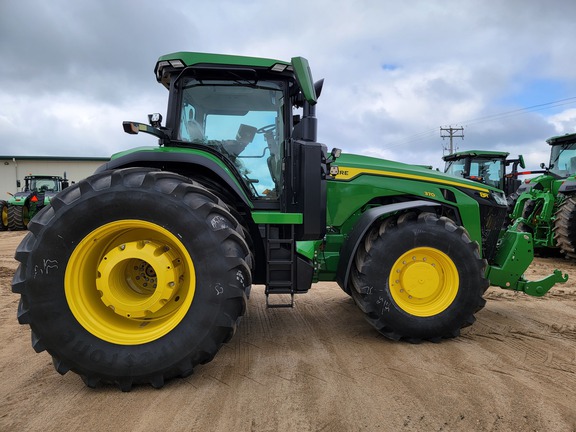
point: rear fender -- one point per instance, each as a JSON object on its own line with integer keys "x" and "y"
{"x": 161, "y": 159}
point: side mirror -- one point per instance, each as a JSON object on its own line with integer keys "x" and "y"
{"x": 18, "y": 184}
{"x": 521, "y": 158}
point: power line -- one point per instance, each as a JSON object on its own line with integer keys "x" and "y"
{"x": 532, "y": 108}
{"x": 430, "y": 132}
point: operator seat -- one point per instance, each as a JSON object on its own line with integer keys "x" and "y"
{"x": 275, "y": 167}
{"x": 194, "y": 130}
{"x": 572, "y": 166}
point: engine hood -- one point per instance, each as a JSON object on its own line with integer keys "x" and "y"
{"x": 351, "y": 166}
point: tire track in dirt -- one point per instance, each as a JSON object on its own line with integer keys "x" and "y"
{"x": 322, "y": 367}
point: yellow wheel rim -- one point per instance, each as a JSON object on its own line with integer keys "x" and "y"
{"x": 424, "y": 281}
{"x": 4, "y": 211}
{"x": 130, "y": 282}
{"x": 25, "y": 216}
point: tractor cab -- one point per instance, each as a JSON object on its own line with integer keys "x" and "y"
{"x": 242, "y": 121}
{"x": 562, "y": 156}
{"x": 488, "y": 167}
{"x": 252, "y": 121}
{"x": 45, "y": 184}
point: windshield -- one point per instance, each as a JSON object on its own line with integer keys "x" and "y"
{"x": 487, "y": 171}
{"x": 563, "y": 160}
{"x": 456, "y": 168}
{"x": 42, "y": 185}
{"x": 242, "y": 121}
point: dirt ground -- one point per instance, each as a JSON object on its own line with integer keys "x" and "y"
{"x": 321, "y": 367}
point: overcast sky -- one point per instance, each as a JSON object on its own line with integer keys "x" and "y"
{"x": 395, "y": 71}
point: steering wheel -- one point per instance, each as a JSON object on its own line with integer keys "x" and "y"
{"x": 267, "y": 128}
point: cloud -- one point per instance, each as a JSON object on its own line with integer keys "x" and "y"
{"x": 395, "y": 71}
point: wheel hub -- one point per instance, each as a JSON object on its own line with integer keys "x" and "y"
{"x": 420, "y": 279}
{"x": 138, "y": 278}
{"x": 424, "y": 281}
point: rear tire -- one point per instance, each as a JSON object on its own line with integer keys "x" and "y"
{"x": 565, "y": 227}
{"x": 419, "y": 278}
{"x": 141, "y": 290}
{"x": 18, "y": 218}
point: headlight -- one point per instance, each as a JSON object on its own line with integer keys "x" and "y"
{"x": 499, "y": 197}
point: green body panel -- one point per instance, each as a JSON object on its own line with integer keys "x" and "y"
{"x": 193, "y": 58}
{"x": 304, "y": 77}
{"x": 277, "y": 218}
{"x": 309, "y": 248}
{"x": 362, "y": 180}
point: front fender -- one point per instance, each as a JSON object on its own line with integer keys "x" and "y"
{"x": 364, "y": 223}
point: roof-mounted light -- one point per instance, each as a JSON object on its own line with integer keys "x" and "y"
{"x": 159, "y": 68}
{"x": 177, "y": 63}
{"x": 279, "y": 67}
{"x": 163, "y": 64}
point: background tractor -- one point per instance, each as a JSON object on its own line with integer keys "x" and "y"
{"x": 546, "y": 205}
{"x": 37, "y": 192}
{"x": 239, "y": 192}
{"x": 488, "y": 167}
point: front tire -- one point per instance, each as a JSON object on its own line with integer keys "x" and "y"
{"x": 419, "y": 278}
{"x": 565, "y": 227}
{"x": 132, "y": 276}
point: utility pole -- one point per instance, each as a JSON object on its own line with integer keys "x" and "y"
{"x": 452, "y": 134}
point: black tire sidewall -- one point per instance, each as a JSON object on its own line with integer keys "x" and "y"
{"x": 383, "y": 309}
{"x": 196, "y": 334}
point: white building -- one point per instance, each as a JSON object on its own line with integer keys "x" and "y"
{"x": 13, "y": 168}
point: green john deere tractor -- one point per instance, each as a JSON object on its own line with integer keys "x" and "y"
{"x": 37, "y": 192}
{"x": 485, "y": 166}
{"x": 239, "y": 192}
{"x": 546, "y": 205}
